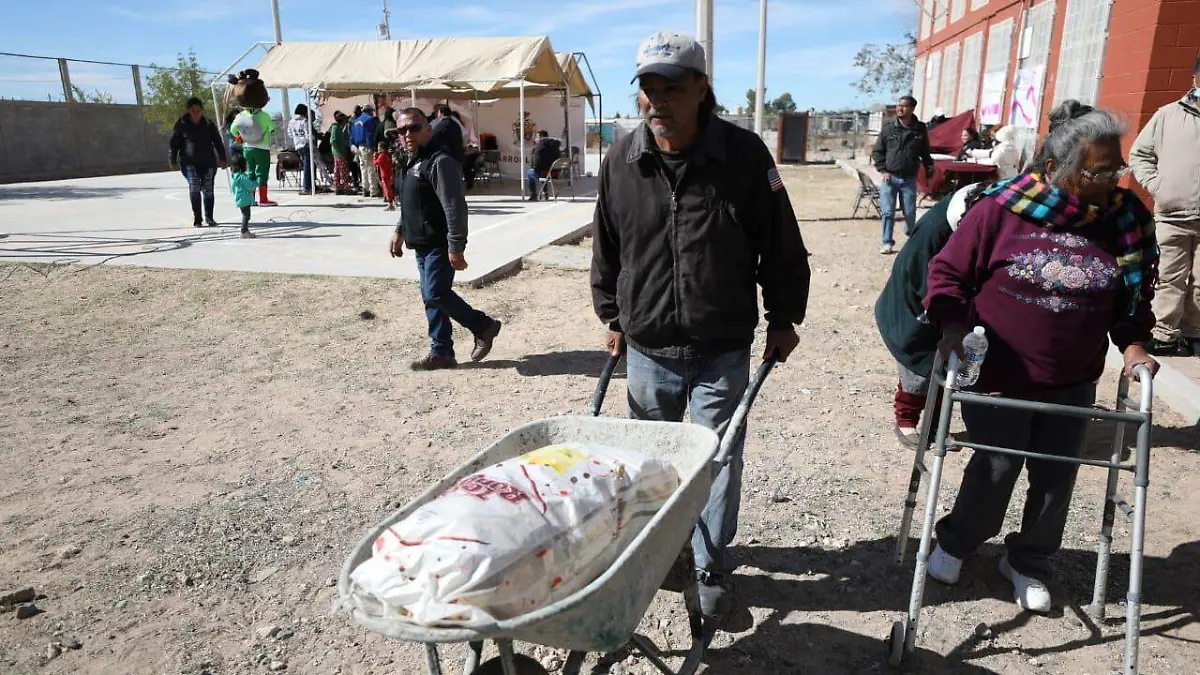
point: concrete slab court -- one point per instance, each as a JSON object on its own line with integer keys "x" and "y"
{"x": 146, "y": 220}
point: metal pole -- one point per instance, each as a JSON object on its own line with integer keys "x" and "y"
{"x": 521, "y": 141}
{"x": 704, "y": 31}
{"x": 287, "y": 108}
{"x": 385, "y": 31}
{"x": 64, "y": 75}
{"x": 760, "y": 106}
{"x": 312, "y": 145}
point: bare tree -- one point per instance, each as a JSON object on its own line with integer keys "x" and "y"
{"x": 888, "y": 68}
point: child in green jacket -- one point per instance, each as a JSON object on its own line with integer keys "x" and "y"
{"x": 243, "y": 193}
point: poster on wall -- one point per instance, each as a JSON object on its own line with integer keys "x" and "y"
{"x": 991, "y": 105}
{"x": 1027, "y": 98}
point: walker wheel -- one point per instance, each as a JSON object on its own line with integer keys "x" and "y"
{"x": 525, "y": 666}
{"x": 895, "y": 644}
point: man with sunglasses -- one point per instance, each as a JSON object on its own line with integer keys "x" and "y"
{"x": 1166, "y": 161}
{"x": 691, "y": 218}
{"x": 433, "y": 223}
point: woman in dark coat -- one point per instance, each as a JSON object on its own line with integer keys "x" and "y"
{"x": 197, "y": 149}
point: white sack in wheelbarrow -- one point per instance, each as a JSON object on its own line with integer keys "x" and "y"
{"x": 513, "y": 538}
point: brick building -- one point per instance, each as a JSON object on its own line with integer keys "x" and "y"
{"x": 1128, "y": 56}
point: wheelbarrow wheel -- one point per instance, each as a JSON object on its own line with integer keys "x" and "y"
{"x": 895, "y": 645}
{"x": 525, "y": 666}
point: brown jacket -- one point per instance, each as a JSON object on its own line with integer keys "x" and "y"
{"x": 1166, "y": 161}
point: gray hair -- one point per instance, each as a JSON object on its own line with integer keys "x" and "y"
{"x": 1073, "y": 127}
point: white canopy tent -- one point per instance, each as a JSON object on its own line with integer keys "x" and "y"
{"x": 441, "y": 68}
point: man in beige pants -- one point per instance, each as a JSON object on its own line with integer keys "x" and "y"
{"x": 1166, "y": 160}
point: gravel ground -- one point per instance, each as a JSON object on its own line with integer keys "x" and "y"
{"x": 190, "y": 455}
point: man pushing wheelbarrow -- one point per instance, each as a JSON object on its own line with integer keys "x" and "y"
{"x": 690, "y": 218}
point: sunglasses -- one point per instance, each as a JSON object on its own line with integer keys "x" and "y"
{"x": 409, "y": 129}
{"x": 1105, "y": 176}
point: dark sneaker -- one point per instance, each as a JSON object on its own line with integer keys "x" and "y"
{"x": 1158, "y": 347}
{"x": 247, "y": 234}
{"x": 433, "y": 361}
{"x": 483, "y": 341}
{"x": 210, "y": 221}
{"x": 197, "y": 223}
{"x": 716, "y": 596}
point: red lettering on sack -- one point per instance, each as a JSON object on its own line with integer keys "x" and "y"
{"x": 482, "y": 488}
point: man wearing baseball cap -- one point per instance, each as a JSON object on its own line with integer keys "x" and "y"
{"x": 691, "y": 218}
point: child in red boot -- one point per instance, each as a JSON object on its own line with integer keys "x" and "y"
{"x": 387, "y": 174}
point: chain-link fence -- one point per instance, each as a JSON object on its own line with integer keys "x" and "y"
{"x": 833, "y": 136}
{"x": 24, "y": 77}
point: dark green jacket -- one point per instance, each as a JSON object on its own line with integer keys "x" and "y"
{"x": 911, "y": 342}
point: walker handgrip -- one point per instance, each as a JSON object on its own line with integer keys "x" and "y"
{"x": 738, "y": 421}
{"x": 1145, "y": 379}
{"x": 606, "y": 373}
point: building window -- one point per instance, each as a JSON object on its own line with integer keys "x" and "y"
{"x": 918, "y": 87}
{"x": 933, "y": 71}
{"x": 1085, "y": 33}
{"x": 999, "y": 47}
{"x": 968, "y": 85}
{"x": 958, "y": 10}
{"x": 926, "y": 17}
{"x": 1040, "y": 21}
{"x": 949, "y": 79}
{"x": 977, "y": 4}
{"x": 940, "y": 9}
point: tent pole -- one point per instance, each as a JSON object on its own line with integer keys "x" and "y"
{"x": 567, "y": 124}
{"x": 413, "y": 92}
{"x": 312, "y": 144}
{"x": 521, "y": 141}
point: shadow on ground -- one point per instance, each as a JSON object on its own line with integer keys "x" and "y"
{"x": 62, "y": 192}
{"x": 579, "y": 362}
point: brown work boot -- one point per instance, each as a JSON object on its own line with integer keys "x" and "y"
{"x": 433, "y": 361}
{"x": 483, "y": 341}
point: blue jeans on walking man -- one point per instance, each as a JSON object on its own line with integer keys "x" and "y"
{"x": 906, "y": 188}
{"x": 710, "y": 387}
{"x": 531, "y": 181}
{"x": 442, "y": 304}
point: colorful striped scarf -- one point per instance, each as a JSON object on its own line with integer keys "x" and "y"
{"x": 1028, "y": 196}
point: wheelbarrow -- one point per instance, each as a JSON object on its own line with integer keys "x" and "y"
{"x": 603, "y": 616}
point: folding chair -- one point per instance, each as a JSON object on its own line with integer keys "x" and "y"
{"x": 868, "y": 191}
{"x": 559, "y": 170}
{"x": 287, "y": 169}
{"x": 491, "y": 165}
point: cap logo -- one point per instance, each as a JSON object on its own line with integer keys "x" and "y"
{"x": 660, "y": 49}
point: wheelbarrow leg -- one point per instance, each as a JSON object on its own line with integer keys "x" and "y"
{"x": 433, "y": 664}
{"x": 691, "y": 599}
{"x": 507, "y": 661}
{"x": 574, "y": 663}
{"x": 474, "y": 656}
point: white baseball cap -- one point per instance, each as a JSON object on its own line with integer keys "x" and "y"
{"x": 672, "y": 55}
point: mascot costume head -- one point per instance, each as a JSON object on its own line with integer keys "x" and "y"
{"x": 253, "y": 128}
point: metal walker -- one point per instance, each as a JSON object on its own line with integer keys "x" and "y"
{"x": 902, "y": 639}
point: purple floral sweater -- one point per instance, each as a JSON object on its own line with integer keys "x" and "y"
{"x": 1049, "y": 299}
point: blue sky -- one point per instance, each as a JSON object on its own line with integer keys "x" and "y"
{"x": 811, "y": 43}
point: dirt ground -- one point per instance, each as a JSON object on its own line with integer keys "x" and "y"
{"x": 189, "y": 456}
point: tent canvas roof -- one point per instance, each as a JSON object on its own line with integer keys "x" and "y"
{"x": 483, "y": 65}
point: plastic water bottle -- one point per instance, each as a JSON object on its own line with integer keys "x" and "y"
{"x": 975, "y": 346}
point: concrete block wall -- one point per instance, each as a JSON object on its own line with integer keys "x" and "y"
{"x": 42, "y": 140}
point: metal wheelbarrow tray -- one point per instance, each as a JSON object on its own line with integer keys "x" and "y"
{"x": 604, "y": 615}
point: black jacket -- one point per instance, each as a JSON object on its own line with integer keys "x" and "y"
{"x": 196, "y": 144}
{"x": 433, "y": 205}
{"x": 901, "y": 150}
{"x": 676, "y": 268}
{"x": 911, "y": 342}
{"x": 545, "y": 152}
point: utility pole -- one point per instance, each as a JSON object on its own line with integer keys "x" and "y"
{"x": 385, "y": 28}
{"x": 287, "y": 109}
{"x": 704, "y": 32}
{"x": 760, "y": 106}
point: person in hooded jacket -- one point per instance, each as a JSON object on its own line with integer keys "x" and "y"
{"x": 1003, "y": 154}
{"x": 900, "y": 316}
{"x": 197, "y": 149}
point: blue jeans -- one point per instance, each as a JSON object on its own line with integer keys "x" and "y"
{"x": 442, "y": 304}
{"x": 305, "y": 168}
{"x": 710, "y": 388}
{"x": 907, "y": 189}
{"x": 200, "y": 187}
{"x": 531, "y": 181}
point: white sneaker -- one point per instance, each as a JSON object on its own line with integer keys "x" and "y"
{"x": 887, "y": 249}
{"x": 1029, "y": 593}
{"x": 944, "y": 567}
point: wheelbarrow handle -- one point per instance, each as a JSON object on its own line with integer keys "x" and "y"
{"x": 610, "y": 367}
{"x": 738, "y": 422}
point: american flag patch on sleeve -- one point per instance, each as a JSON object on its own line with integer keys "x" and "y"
{"x": 774, "y": 179}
